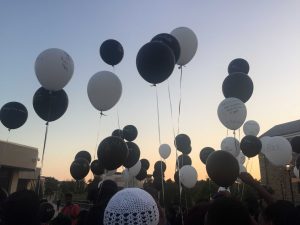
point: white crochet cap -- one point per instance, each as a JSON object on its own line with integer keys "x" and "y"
{"x": 131, "y": 206}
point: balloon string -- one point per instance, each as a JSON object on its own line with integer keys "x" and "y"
{"x": 118, "y": 118}
{"x": 179, "y": 105}
{"x": 162, "y": 182}
{"x": 44, "y": 146}
{"x": 8, "y": 135}
{"x": 98, "y": 133}
{"x": 186, "y": 204}
{"x": 177, "y": 162}
{"x": 235, "y": 144}
{"x": 158, "y": 121}
{"x": 227, "y": 133}
{"x": 171, "y": 108}
{"x": 159, "y": 139}
{"x": 239, "y": 135}
{"x": 43, "y": 155}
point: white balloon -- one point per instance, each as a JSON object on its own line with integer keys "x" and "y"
{"x": 54, "y": 68}
{"x": 133, "y": 171}
{"x": 232, "y": 113}
{"x": 104, "y": 90}
{"x": 251, "y": 127}
{"x": 296, "y": 172}
{"x": 264, "y": 140}
{"x": 188, "y": 176}
{"x": 241, "y": 158}
{"x": 231, "y": 145}
{"x": 242, "y": 168}
{"x": 164, "y": 151}
{"x": 278, "y": 151}
{"x": 188, "y": 44}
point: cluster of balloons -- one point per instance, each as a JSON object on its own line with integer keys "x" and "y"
{"x": 237, "y": 89}
{"x": 13, "y": 115}
{"x": 224, "y": 166}
{"x": 114, "y": 151}
{"x": 186, "y": 173}
{"x": 54, "y": 68}
{"x": 250, "y": 146}
{"x": 80, "y": 167}
{"x": 159, "y": 174}
{"x": 105, "y": 88}
{"x": 156, "y": 60}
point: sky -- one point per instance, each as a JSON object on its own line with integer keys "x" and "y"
{"x": 265, "y": 33}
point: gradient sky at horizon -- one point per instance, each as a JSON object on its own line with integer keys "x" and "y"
{"x": 265, "y": 33}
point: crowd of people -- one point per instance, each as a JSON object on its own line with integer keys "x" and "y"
{"x": 113, "y": 205}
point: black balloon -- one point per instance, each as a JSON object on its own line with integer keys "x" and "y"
{"x": 160, "y": 165}
{"x": 295, "y": 142}
{"x": 145, "y": 164}
{"x": 13, "y": 115}
{"x": 184, "y": 160}
{"x": 133, "y": 154}
{"x": 130, "y": 133}
{"x": 222, "y": 168}
{"x": 79, "y": 168}
{"x": 97, "y": 168}
{"x": 204, "y": 153}
{"x": 155, "y": 62}
{"x": 46, "y": 212}
{"x": 85, "y": 155}
{"x": 112, "y": 152}
{"x": 250, "y": 146}
{"x": 111, "y": 52}
{"x": 297, "y": 162}
{"x": 183, "y": 143}
{"x": 50, "y": 105}
{"x": 170, "y": 41}
{"x": 142, "y": 174}
{"x": 117, "y": 133}
{"x": 238, "y": 65}
{"x": 238, "y": 85}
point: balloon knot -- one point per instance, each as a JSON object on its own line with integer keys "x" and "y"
{"x": 102, "y": 114}
{"x": 153, "y": 85}
{"x": 47, "y": 123}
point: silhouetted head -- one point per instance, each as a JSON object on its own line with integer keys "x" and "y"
{"x": 227, "y": 211}
{"x": 106, "y": 190}
{"x": 21, "y": 207}
{"x": 280, "y": 213}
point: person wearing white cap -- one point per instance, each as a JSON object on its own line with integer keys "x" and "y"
{"x": 131, "y": 206}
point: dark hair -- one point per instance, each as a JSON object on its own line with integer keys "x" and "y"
{"x": 227, "y": 211}
{"x": 69, "y": 195}
{"x": 106, "y": 190}
{"x": 21, "y": 207}
{"x": 281, "y": 213}
{"x": 196, "y": 215}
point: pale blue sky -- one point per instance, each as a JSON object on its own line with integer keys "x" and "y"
{"x": 266, "y": 33}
